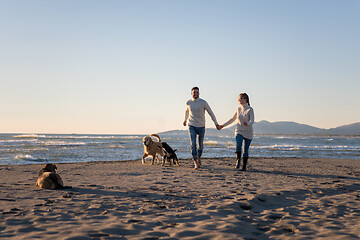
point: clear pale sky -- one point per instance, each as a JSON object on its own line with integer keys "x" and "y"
{"x": 127, "y": 67}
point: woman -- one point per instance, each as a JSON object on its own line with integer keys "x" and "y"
{"x": 244, "y": 131}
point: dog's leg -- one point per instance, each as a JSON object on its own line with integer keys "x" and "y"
{"x": 175, "y": 159}
{"x": 153, "y": 159}
{"x": 157, "y": 159}
{"x": 143, "y": 158}
{"x": 163, "y": 160}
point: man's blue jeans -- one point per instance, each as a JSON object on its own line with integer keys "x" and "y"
{"x": 193, "y": 133}
{"x": 239, "y": 141}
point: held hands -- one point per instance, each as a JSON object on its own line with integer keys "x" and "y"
{"x": 219, "y": 127}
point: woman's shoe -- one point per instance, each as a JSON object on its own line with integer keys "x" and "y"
{"x": 245, "y": 160}
{"x": 238, "y": 158}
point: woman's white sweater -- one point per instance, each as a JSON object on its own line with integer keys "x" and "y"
{"x": 243, "y": 114}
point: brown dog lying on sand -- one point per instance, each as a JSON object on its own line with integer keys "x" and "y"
{"x": 152, "y": 148}
{"x": 49, "y": 179}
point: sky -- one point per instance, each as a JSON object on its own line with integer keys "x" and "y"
{"x": 127, "y": 67}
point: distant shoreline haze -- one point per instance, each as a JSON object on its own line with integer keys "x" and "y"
{"x": 282, "y": 128}
{"x": 260, "y": 128}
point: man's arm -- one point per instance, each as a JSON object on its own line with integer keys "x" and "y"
{"x": 211, "y": 113}
{"x": 186, "y": 115}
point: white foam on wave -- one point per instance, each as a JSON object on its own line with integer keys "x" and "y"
{"x": 289, "y": 137}
{"x": 128, "y": 137}
{"x": 18, "y": 140}
{"x": 84, "y": 137}
{"x": 26, "y": 157}
{"x": 285, "y": 147}
{"x": 211, "y": 143}
{"x": 63, "y": 143}
{"x": 29, "y": 136}
{"x": 93, "y": 137}
{"x": 340, "y": 147}
{"x": 115, "y": 146}
{"x": 278, "y": 147}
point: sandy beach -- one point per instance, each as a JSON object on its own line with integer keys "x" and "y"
{"x": 277, "y": 198}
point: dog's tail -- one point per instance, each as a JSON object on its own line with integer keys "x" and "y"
{"x": 157, "y": 136}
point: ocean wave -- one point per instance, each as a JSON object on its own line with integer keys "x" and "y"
{"x": 129, "y": 137}
{"x": 230, "y": 144}
{"x": 17, "y": 140}
{"x": 29, "y": 136}
{"x": 288, "y": 137}
{"x": 63, "y": 143}
{"x": 27, "y": 157}
{"x": 26, "y": 149}
{"x": 76, "y": 137}
{"x": 306, "y": 147}
{"x": 111, "y": 146}
{"x": 278, "y": 147}
{"x": 348, "y": 148}
{"x": 282, "y": 147}
{"x": 211, "y": 143}
{"x": 94, "y": 137}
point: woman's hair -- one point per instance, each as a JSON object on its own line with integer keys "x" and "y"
{"x": 244, "y": 95}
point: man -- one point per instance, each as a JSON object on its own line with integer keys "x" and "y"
{"x": 195, "y": 112}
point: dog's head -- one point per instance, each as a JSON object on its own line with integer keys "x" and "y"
{"x": 49, "y": 167}
{"x": 147, "y": 140}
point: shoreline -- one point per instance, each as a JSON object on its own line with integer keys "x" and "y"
{"x": 182, "y": 159}
{"x": 278, "y": 198}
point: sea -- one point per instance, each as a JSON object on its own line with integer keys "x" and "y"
{"x": 67, "y": 148}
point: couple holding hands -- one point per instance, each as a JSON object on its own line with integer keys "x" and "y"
{"x": 195, "y": 116}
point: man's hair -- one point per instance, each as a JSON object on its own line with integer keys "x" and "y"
{"x": 195, "y": 88}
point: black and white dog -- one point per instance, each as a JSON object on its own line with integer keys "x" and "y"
{"x": 170, "y": 155}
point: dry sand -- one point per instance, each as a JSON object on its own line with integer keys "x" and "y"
{"x": 278, "y": 198}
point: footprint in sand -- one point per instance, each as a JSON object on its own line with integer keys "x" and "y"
{"x": 275, "y": 216}
{"x": 161, "y": 183}
{"x": 245, "y": 205}
{"x": 187, "y": 234}
{"x": 14, "y": 211}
